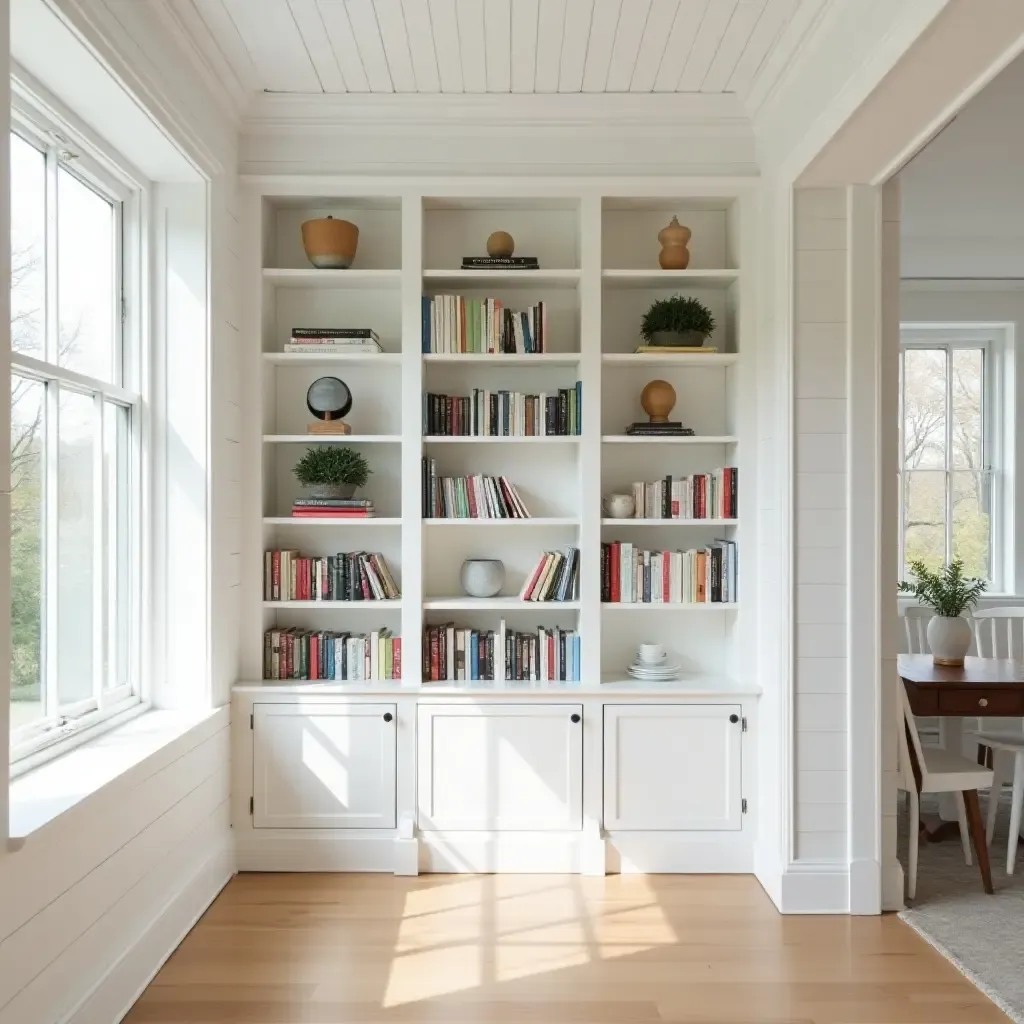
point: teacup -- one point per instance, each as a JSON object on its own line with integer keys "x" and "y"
{"x": 619, "y": 506}
{"x": 651, "y": 654}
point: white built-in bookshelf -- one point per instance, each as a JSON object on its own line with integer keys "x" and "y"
{"x": 598, "y": 253}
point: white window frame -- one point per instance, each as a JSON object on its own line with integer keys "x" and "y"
{"x": 76, "y": 151}
{"x": 996, "y": 341}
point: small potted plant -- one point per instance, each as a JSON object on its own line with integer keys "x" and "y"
{"x": 677, "y": 321}
{"x": 332, "y": 471}
{"x": 950, "y": 593}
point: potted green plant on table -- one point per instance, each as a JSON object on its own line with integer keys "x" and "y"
{"x": 950, "y": 593}
{"x": 332, "y": 471}
{"x": 679, "y": 322}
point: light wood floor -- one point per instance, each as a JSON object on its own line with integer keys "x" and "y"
{"x": 328, "y": 949}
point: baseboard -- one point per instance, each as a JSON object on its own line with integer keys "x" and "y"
{"x": 113, "y": 996}
{"x": 893, "y": 886}
{"x": 283, "y": 850}
{"x": 814, "y": 889}
{"x": 865, "y": 887}
{"x": 677, "y": 853}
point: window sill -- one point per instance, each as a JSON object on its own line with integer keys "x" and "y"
{"x": 119, "y": 758}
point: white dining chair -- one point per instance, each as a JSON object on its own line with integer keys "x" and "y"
{"x": 935, "y": 770}
{"x": 1007, "y": 764}
{"x": 915, "y": 623}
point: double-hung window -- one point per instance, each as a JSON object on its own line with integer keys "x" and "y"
{"x": 950, "y": 484}
{"x": 75, "y": 446}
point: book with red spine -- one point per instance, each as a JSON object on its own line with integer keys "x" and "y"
{"x": 666, "y": 575}
{"x": 396, "y": 658}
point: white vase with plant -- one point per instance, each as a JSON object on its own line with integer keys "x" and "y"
{"x": 950, "y": 593}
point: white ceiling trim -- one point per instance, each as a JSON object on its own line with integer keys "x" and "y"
{"x": 672, "y": 111}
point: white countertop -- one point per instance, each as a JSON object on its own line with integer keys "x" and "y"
{"x": 694, "y": 686}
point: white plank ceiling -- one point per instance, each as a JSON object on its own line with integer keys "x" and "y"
{"x": 497, "y": 46}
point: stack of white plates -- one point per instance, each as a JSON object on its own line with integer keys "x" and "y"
{"x": 654, "y": 672}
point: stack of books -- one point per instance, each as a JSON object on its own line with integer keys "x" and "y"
{"x": 668, "y": 429}
{"x": 500, "y": 263}
{"x": 554, "y": 578}
{"x": 455, "y": 324}
{"x": 711, "y": 495}
{"x": 333, "y": 508}
{"x": 346, "y": 576}
{"x": 698, "y": 576}
{"x": 327, "y": 656}
{"x": 332, "y": 340}
{"x": 503, "y": 414}
{"x": 549, "y": 655}
{"x": 454, "y": 653}
{"x": 469, "y": 497}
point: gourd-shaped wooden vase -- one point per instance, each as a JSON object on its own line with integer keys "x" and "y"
{"x": 674, "y": 255}
{"x": 658, "y": 399}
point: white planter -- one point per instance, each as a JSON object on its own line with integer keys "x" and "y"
{"x": 948, "y": 639}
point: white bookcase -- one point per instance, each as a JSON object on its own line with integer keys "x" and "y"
{"x": 597, "y": 246}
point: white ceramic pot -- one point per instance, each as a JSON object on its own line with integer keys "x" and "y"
{"x": 482, "y": 577}
{"x": 619, "y": 506}
{"x": 949, "y": 639}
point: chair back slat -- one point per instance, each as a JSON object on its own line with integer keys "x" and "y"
{"x": 915, "y": 622}
{"x": 999, "y": 632}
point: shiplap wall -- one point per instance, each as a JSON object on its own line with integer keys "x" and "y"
{"x": 96, "y": 900}
{"x": 820, "y": 393}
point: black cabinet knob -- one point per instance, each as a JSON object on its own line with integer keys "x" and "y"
{"x": 574, "y": 718}
{"x": 388, "y": 716}
{"x": 734, "y": 719}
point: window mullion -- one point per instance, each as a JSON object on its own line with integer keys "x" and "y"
{"x": 100, "y": 588}
{"x": 949, "y": 453}
{"x": 51, "y": 548}
{"x": 902, "y": 465}
{"x": 51, "y": 329}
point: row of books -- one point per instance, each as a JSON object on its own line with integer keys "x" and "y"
{"x": 500, "y": 263}
{"x": 503, "y": 414}
{"x": 713, "y": 495}
{"x": 452, "y": 652}
{"x": 325, "y": 655}
{"x": 469, "y": 497}
{"x": 333, "y": 508}
{"x": 346, "y": 576}
{"x": 554, "y": 578}
{"x": 326, "y": 340}
{"x": 455, "y": 324}
{"x": 549, "y": 655}
{"x": 630, "y": 575}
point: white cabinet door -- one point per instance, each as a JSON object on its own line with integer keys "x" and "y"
{"x": 672, "y": 767}
{"x": 324, "y": 765}
{"x": 511, "y": 767}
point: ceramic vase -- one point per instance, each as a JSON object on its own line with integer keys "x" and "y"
{"x": 949, "y": 639}
{"x": 658, "y": 400}
{"x": 330, "y": 244}
{"x": 619, "y": 506}
{"x": 674, "y": 237}
{"x": 500, "y": 243}
{"x": 678, "y": 339}
{"x": 482, "y": 577}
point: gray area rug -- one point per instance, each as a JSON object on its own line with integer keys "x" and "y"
{"x": 983, "y": 936}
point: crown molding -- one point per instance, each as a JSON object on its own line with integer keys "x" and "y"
{"x": 276, "y": 113}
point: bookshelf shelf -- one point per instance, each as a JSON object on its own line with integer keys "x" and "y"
{"x": 687, "y": 360}
{"x": 669, "y": 606}
{"x": 310, "y": 277}
{"x": 332, "y": 439}
{"x": 335, "y": 606}
{"x": 505, "y": 359}
{"x": 669, "y": 278}
{"x": 330, "y": 521}
{"x": 518, "y": 278}
{"x": 697, "y": 440}
{"x": 532, "y": 521}
{"x": 335, "y": 358}
{"x": 600, "y": 249}
{"x": 468, "y": 604}
{"x": 531, "y": 439}
{"x": 671, "y": 522}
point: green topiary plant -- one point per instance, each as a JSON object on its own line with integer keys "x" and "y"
{"x": 332, "y": 465}
{"x": 948, "y": 591}
{"x": 677, "y": 315}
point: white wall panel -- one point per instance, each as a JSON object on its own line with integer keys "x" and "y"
{"x": 653, "y": 43}
{"x": 632, "y": 22}
{"x": 469, "y": 15}
{"x": 276, "y": 47}
{"x": 706, "y": 43}
{"x": 318, "y": 44}
{"x": 395, "y": 41}
{"x": 346, "y": 49}
{"x": 575, "y": 39}
{"x": 550, "y": 28}
{"x": 498, "y": 33}
{"x": 774, "y": 17}
{"x": 446, "y": 44}
{"x": 419, "y": 32}
{"x": 366, "y": 32}
{"x": 676, "y": 54}
{"x": 733, "y": 43}
{"x": 603, "y": 27}
{"x": 223, "y": 29}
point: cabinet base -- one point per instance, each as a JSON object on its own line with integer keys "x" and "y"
{"x": 496, "y": 853}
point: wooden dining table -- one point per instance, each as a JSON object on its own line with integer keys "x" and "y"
{"x": 982, "y": 688}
